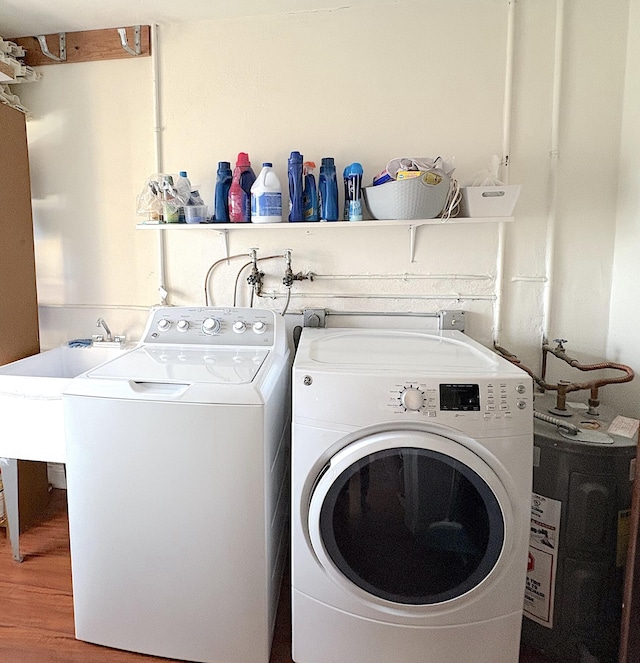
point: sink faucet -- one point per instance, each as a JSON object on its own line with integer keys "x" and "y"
{"x": 101, "y": 323}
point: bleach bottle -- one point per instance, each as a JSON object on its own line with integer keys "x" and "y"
{"x": 310, "y": 193}
{"x": 221, "y": 199}
{"x": 240, "y": 190}
{"x": 328, "y": 190}
{"x": 266, "y": 197}
{"x": 296, "y": 211}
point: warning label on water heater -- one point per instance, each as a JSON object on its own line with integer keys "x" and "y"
{"x": 543, "y": 559}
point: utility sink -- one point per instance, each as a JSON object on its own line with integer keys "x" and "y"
{"x": 31, "y": 422}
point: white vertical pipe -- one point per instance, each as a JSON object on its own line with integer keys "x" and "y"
{"x": 553, "y": 171}
{"x": 506, "y": 146}
{"x": 159, "y": 157}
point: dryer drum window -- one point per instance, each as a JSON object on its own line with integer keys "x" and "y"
{"x": 412, "y": 526}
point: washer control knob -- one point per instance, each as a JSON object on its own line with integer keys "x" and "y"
{"x": 211, "y": 326}
{"x": 164, "y": 324}
{"x": 521, "y": 389}
{"x": 183, "y": 325}
{"x": 259, "y": 327}
{"x": 521, "y": 405}
{"x": 412, "y": 399}
{"x": 239, "y": 327}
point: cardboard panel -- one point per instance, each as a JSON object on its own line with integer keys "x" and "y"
{"x": 18, "y": 300}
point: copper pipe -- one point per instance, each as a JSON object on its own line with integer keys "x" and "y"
{"x": 561, "y": 354}
{"x": 564, "y": 387}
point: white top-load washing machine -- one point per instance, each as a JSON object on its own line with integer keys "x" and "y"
{"x": 177, "y": 471}
{"x": 411, "y": 492}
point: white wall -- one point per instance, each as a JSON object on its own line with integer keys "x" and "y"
{"x": 624, "y": 339}
{"x": 366, "y": 83}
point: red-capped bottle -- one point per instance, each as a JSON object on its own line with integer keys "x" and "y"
{"x": 240, "y": 190}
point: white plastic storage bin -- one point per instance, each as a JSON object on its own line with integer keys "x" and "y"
{"x": 415, "y": 198}
{"x": 487, "y": 201}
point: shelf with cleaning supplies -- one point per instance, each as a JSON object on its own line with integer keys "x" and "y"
{"x": 411, "y": 224}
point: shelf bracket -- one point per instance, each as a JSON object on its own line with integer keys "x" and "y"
{"x": 225, "y": 234}
{"x": 412, "y": 243}
{"x": 62, "y": 36}
{"x": 136, "y": 50}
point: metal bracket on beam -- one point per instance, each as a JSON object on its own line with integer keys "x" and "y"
{"x": 42, "y": 40}
{"x": 135, "y": 51}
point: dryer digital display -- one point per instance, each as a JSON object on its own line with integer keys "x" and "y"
{"x": 460, "y": 397}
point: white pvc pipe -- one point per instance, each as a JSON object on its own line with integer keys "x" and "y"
{"x": 400, "y": 277}
{"x": 506, "y": 157}
{"x": 333, "y": 295}
{"x": 159, "y": 157}
{"x": 553, "y": 172}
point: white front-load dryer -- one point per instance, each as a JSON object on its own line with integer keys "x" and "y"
{"x": 411, "y": 486}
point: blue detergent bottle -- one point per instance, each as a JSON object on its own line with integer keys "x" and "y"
{"x": 353, "y": 192}
{"x": 310, "y": 194}
{"x": 296, "y": 211}
{"x": 221, "y": 200}
{"x": 328, "y": 190}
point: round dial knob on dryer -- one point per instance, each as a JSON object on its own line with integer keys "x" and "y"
{"x": 412, "y": 399}
{"x": 211, "y": 326}
{"x": 183, "y": 325}
{"x": 259, "y": 327}
{"x": 164, "y": 324}
{"x": 239, "y": 327}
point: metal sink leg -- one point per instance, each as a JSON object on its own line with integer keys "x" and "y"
{"x": 10, "y": 483}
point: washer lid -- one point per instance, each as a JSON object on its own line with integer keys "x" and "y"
{"x": 172, "y": 363}
{"x": 427, "y": 351}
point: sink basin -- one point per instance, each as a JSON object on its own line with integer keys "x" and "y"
{"x": 32, "y": 426}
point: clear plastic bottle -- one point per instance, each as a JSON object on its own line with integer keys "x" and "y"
{"x": 240, "y": 190}
{"x": 170, "y": 202}
{"x": 266, "y": 197}
{"x": 328, "y": 190}
{"x": 183, "y": 186}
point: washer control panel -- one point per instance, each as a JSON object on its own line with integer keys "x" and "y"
{"x": 489, "y": 399}
{"x": 210, "y": 326}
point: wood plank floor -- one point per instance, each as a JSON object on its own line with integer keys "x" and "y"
{"x": 36, "y": 609}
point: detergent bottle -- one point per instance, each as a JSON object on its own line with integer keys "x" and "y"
{"x": 240, "y": 190}
{"x": 221, "y": 196}
{"x": 310, "y": 194}
{"x": 328, "y": 190}
{"x": 296, "y": 211}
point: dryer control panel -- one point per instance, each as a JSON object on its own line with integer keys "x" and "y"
{"x": 208, "y": 325}
{"x": 489, "y": 399}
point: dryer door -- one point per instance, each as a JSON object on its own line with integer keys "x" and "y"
{"x": 410, "y": 517}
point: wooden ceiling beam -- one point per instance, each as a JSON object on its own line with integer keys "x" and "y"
{"x": 84, "y": 46}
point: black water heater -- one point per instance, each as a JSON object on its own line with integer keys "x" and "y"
{"x": 580, "y": 515}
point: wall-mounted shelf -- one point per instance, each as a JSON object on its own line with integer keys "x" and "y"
{"x": 411, "y": 224}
